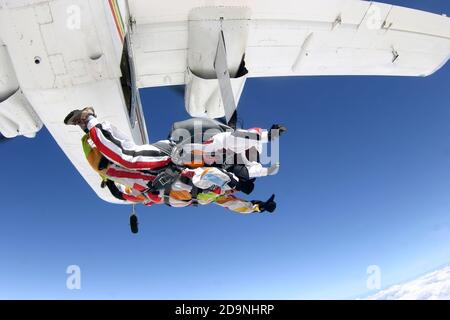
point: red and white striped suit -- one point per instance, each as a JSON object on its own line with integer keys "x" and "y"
{"x": 122, "y": 151}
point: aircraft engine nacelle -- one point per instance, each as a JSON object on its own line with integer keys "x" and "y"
{"x": 205, "y": 86}
{"x": 17, "y": 116}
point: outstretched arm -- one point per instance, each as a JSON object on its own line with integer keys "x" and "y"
{"x": 238, "y": 205}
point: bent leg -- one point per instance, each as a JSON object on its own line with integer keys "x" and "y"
{"x": 122, "y": 151}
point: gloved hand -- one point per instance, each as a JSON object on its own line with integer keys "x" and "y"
{"x": 270, "y": 205}
{"x": 280, "y": 129}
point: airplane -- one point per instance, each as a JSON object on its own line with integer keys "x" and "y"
{"x": 57, "y": 55}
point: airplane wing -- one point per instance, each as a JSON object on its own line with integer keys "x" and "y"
{"x": 294, "y": 38}
{"x": 58, "y": 55}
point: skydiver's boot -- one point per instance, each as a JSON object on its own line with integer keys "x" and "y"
{"x": 79, "y": 117}
{"x": 276, "y": 130}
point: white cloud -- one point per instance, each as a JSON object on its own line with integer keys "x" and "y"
{"x": 432, "y": 286}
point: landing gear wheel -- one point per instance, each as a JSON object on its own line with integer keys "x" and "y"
{"x": 134, "y": 222}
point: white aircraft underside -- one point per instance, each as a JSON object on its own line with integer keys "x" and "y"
{"x": 59, "y": 55}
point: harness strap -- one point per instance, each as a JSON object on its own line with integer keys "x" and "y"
{"x": 194, "y": 194}
{"x": 167, "y": 196}
{"x": 194, "y": 191}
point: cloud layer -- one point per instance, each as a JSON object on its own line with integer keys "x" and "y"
{"x": 432, "y": 286}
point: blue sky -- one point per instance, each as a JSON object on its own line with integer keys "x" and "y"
{"x": 365, "y": 180}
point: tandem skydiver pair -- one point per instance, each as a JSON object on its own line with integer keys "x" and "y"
{"x": 203, "y": 161}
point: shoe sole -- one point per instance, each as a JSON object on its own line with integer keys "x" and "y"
{"x": 70, "y": 115}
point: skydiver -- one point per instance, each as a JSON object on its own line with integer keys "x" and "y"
{"x": 180, "y": 195}
{"x": 109, "y": 139}
{"x": 119, "y": 149}
{"x": 193, "y": 186}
